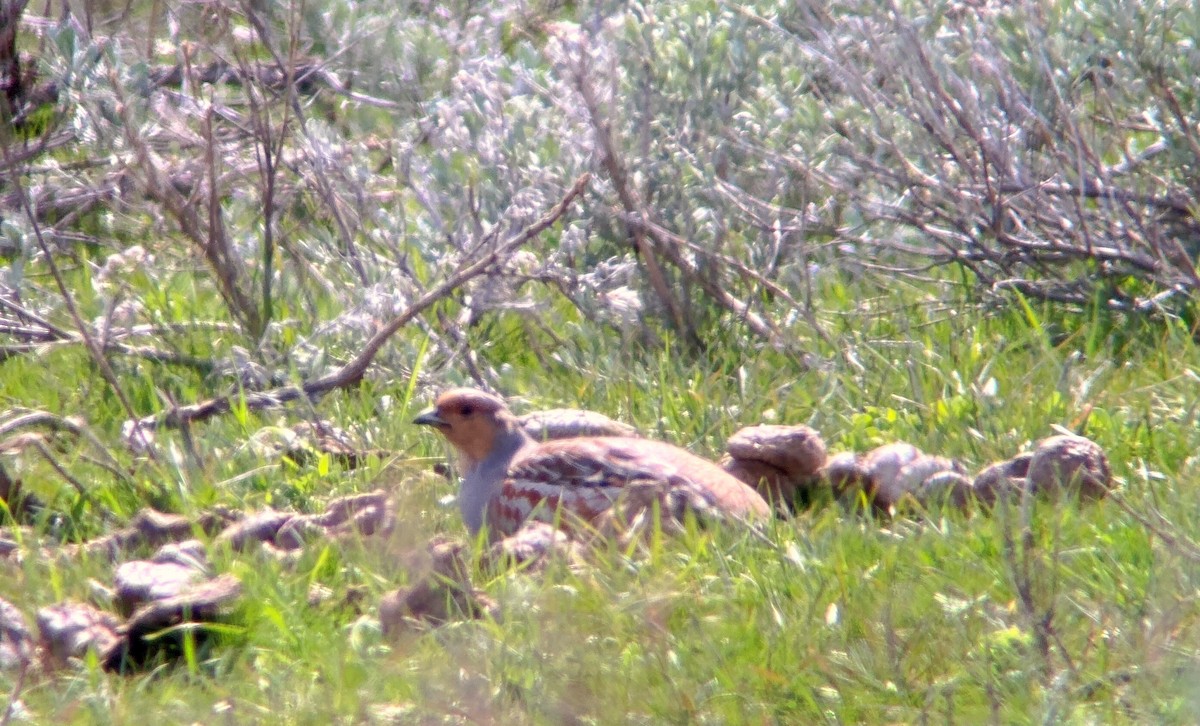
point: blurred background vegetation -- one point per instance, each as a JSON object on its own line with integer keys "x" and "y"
{"x": 958, "y": 223}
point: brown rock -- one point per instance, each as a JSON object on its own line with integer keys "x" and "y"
{"x": 430, "y": 601}
{"x": 256, "y": 528}
{"x": 845, "y": 474}
{"x": 568, "y": 423}
{"x": 798, "y": 451}
{"x": 913, "y": 479}
{"x": 69, "y": 630}
{"x": 152, "y": 528}
{"x": 435, "y": 597}
{"x": 534, "y": 546}
{"x": 1002, "y": 479}
{"x": 889, "y": 474}
{"x": 950, "y": 487}
{"x": 207, "y": 601}
{"x": 16, "y": 644}
{"x": 141, "y": 581}
{"x": 1069, "y": 464}
{"x": 297, "y": 532}
{"x": 771, "y": 482}
{"x": 172, "y": 571}
{"x": 356, "y": 515}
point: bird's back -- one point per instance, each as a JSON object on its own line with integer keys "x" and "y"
{"x": 583, "y": 478}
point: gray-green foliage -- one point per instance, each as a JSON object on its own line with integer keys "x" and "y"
{"x": 804, "y": 159}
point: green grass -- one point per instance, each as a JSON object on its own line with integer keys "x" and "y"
{"x": 1084, "y": 615}
{"x": 833, "y": 617}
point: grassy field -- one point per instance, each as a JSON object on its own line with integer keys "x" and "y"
{"x": 954, "y": 225}
{"x": 834, "y": 617}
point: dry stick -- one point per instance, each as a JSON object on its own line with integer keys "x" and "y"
{"x": 15, "y": 693}
{"x": 24, "y": 418}
{"x": 762, "y": 326}
{"x": 93, "y": 348}
{"x": 208, "y": 238}
{"x": 629, "y": 200}
{"x": 318, "y": 163}
{"x": 353, "y": 371}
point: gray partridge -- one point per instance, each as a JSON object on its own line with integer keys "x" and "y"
{"x": 509, "y": 478}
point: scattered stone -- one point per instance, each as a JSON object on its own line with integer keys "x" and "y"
{"x": 172, "y": 571}
{"x": 569, "y": 423}
{"x": 889, "y": 475}
{"x": 151, "y": 528}
{"x": 1002, "y": 479}
{"x": 363, "y": 515}
{"x": 911, "y": 481}
{"x": 534, "y": 546}
{"x": 1068, "y": 464}
{"x": 1059, "y": 465}
{"x": 437, "y": 596}
{"x": 947, "y": 488}
{"x": 16, "y": 644}
{"x": 883, "y": 465}
{"x": 845, "y": 474}
{"x": 69, "y": 630}
{"x": 776, "y": 487}
{"x": 256, "y": 528}
{"x": 9, "y": 548}
{"x": 797, "y": 451}
{"x": 204, "y": 602}
{"x": 189, "y": 553}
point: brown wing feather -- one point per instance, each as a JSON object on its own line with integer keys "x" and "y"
{"x": 584, "y": 478}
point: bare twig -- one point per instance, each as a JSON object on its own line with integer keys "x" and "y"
{"x": 353, "y": 371}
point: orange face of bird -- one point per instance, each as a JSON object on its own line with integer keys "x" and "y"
{"x": 469, "y": 419}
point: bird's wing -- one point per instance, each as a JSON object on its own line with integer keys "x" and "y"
{"x": 583, "y": 478}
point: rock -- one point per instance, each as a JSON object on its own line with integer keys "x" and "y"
{"x": 16, "y": 644}
{"x": 567, "y": 423}
{"x": 883, "y": 465}
{"x": 534, "y": 546}
{"x": 355, "y": 515}
{"x": 69, "y": 630}
{"x": 912, "y": 479}
{"x": 889, "y": 474}
{"x": 152, "y": 528}
{"x": 298, "y": 531}
{"x": 442, "y": 593}
{"x": 1002, "y": 479}
{"x": 1059, "y": 465}
{"x": 258, "y": 527}
{"x": 1068, "y": 464}
{"x": 200, "y": 603}
{"x": 365, "y": 514}
{"x": 9, "y": 548}
{"x": 174, "y": 569}
{"x": 776, "y": 486}
{"x": 189, "y": 553}
{"x": 949, "y": 488}
{"x": 845, "y": 474}
{"x": 797, "y": 451}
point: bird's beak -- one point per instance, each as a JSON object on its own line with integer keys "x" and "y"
{"x": 430, "y": 418}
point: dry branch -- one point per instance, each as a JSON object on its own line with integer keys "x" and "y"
{"x": 352, "y": 372}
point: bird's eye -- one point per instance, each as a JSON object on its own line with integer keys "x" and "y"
{"x": 466, "y": 410}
